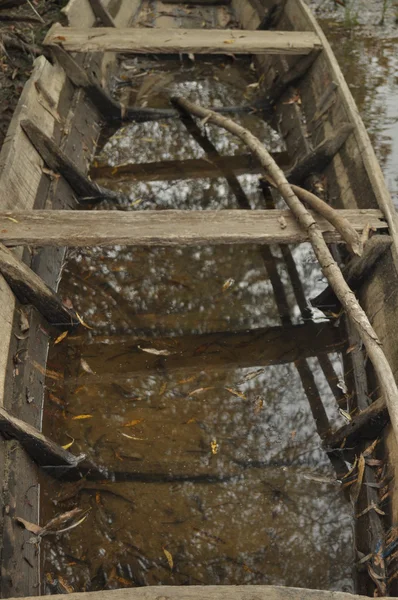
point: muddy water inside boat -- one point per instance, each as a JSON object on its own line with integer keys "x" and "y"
{"x": 212, "y": 466}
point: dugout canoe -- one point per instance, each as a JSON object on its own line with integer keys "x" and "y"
{"x": 64, "y": 106}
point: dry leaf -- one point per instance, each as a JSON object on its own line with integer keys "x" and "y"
{"x": 368, "y": 451}
{"x": 169, "y": 557}
{"x": 235, "y": 393}
{"x": 133, "y": 422}
{"x": 131, "y": 437}
{"x": 259, "y": 405}
{"x": 86, "y": 367}
{"x": 229, "y": 41}
{"x": 80, "y": 319}
{"x": 61, "y": 337}
{"x": 214, "y": 447}
{"x": 345, "y": 414}
{"x": 81, "y": 417}
{"x": 192, "y": 420}
{"x": 251, "y": 375}
{"x": 199, "y": 391}
{"x": 189, "y": 380}
{"x": 67, "y": 446}
{"x": 12, "y": 219}
{"x": 227, "y": 284}
{"x": 358, "y": 484}
{"x": 23, "y": 322}
{"x": 156, "y": 352}
{"x": 32, "y": 527}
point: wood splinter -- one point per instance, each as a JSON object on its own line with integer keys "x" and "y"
{"x": 328, "y": 265}
{"x": 30, "y": 288}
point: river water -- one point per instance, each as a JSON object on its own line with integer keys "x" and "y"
{"x": 207, "y": 441}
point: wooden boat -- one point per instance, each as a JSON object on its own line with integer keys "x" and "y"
{"x": 55, "y": 129}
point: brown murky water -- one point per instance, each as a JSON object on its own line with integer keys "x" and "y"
{"x": 206, "y": 439}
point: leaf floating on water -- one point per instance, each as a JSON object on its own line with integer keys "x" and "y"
{"x": 163, "y": 389}
{"x": 80, "y": 319}
{"x": 199, "y": 391}
{"x": 67, "y": 446}
{"x": 228, "y": 284}
{"x": 61, "y": 337}
{"x": 189, "y": 380}
{"x": 156, "y": 352}
{"x": 169, "y": 557}
{"x": 251, "y": 375}
{"x": 81, "y": 417}
{"x": 132, "y": 437}
{"x": 47, "y": 372}
{"x": 346, "y": 415}
{"x": 86, "y": 367}
{"x": 259, "y": 405}
{"x": 214, "y": 447}
{"x": 68, "y": 588}
{"x": 192, "y": 420}
{"x": 32, "y": 527}
{"x": 235, "y": 393}
{"x": 133, "y": 422}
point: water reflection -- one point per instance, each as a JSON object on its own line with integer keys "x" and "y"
{"x": 206, "y": 437}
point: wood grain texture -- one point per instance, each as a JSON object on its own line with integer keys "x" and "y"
{"x": 214, "y": 592}
{"x": 196, "y": 41}
{"x": 102, "y": 13}
{"x": 39, "y": 447}
{"x": 30, "y": 288}
{"x": 168, "y": 227}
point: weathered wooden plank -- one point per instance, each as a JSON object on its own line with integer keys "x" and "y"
{"x": 214, "y": 592}
{"x": 102, "y": 13}
{"x": 168, "y": 227}
{"x": 259, "y": 347}
{"x": 29, "y": 287}
{"x": 40, "y": 448}
{"x": 196, "y": 41}
{"x": 355, "y": 271}
{"x": 193, "y": 168}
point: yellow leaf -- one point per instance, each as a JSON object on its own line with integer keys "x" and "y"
{"x": 199, "y": 391}
{"x": 61, "y": 337}
{"x": 214, "y": 447}
{"x": 67, "y": 446}
{"x": 192, "y": 420}
{"x": 229, "y": 41}
{"x": 131, "y": 437}
{"x": 81, "y": 417}
{"x": 136, "y": 202}
{"x": 82, "y": 322}
{"x": 169, "y": 557}
{"x": 133, "y": 422}
{"x": 11, "y": 219}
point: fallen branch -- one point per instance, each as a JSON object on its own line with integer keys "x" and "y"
{"x": 346, "y": 230}
{"x": 328, "y": 265}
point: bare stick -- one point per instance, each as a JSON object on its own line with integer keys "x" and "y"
{"x": 346, "y": 230}
{"x": 328, "y": 265}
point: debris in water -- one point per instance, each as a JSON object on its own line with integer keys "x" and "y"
{"x": 345, "y": 414}
{"x": 251, "y": 375}
{"x": 358, "y": 484}
{"x": 199, "y": 391}
{"x": 61, "y": 337}
{"x": 156, "y": 352}
{"x": 133, "y": 422}
{"x": 69, "y": 444}
{"x": 235, "y": 393}
{"x": 86, "y": 367}
{"x": 228, "y": 284}
{"x": 214, "y": 447}
{"x": 169, "y": 557}
{"x": 81, "y": 417}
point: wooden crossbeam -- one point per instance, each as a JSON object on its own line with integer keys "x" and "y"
{"x": 187, "y": 41}
{"x": 209, "y": 351}
{"x": 30, "y": 288}
{"x": 193, "y": 168}
{"x": 168, "y": 227}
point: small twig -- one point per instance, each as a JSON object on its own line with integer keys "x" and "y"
{"x": 35, "y": 11}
